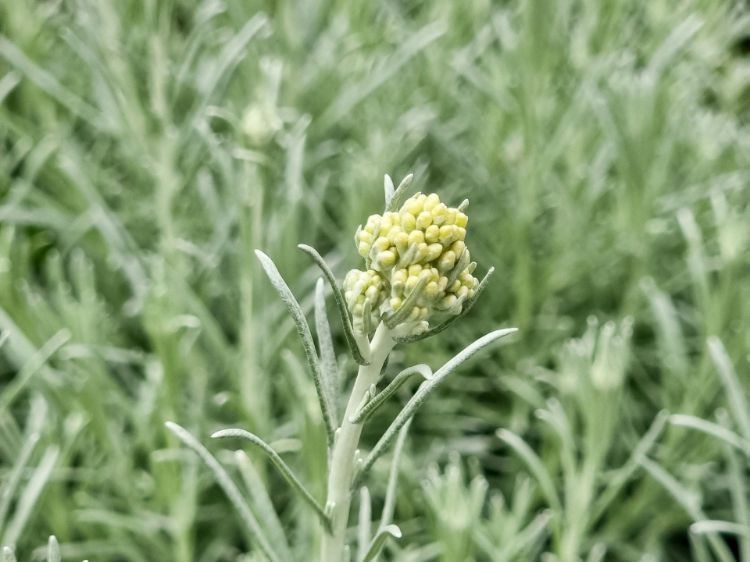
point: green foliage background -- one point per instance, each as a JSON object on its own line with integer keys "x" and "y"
{"x": 147, "y": 147}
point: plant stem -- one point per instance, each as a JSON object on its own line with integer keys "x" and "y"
{"x": 341, "y": 474}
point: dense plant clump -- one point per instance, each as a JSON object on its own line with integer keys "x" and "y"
{"x": 148, "y": 148}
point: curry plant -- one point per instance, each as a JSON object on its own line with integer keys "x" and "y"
{"x": 417, "y": 279}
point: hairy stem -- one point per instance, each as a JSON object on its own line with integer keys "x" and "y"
{"x": 341, "y": 474}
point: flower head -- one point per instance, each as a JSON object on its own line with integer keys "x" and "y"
{"x": 421, "y": 247}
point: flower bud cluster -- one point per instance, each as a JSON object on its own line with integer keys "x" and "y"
{"x": 364, "y": 291}
{"x": 419, "y": 247}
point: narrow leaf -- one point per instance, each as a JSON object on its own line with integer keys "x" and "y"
{"x": 7, "y": 84}
{"x": 48, "y": 83}
{"x": 597, "y": 553}
{"x": 281, "y": 466}
{"x": 393, "y": 203}
{"x": 714, "y": 526}
{"x": 264, "y": 506}
{"x": 534, "y": 464}
{"x": 379, "y": 541}
{"x": 621, "y": 476}
{"x": 304, "y": 332}
{"x": 369, "y": 407}
{"x": 348, "y": 98}
{"x": 327, "y": 354}
{"x": 53, "y": 550}
{"x": 32, "y": 491}
{"x": 713, "y": 429}
{"x": 34, "y": 364}
{"x": 13, "y": 478}
{"x": 424, "y": 390}
{"x": 389, "y": 503}
{"x": 699, "y": 548}
{"x": 229, "y": 487}
{"x": 738, "y": 491}
{"x": 464, "y": 311}
{"x": 389, "y": 189}
{"x": 351, "y": 338}
{"x": 689, "y": 502}
{"x": 523, "y": 540}
{"x": 224, "y": 64}
{"x": 735, "y": 394}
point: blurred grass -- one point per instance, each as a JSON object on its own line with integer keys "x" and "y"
{"x": 148, "y": 147}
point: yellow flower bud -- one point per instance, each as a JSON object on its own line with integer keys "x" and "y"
{"x": 424, "y": 220}
{"x": 363, "y": 248}
{"x": 431, "y": 201}
{"x": 398, "y": 278}
{"x": 401, "y": 241}
{"x": 461, "y": 220}
{"x": 447, "y": 234}
{"x": 395, "y": 229}
{"x": 381, "y": 244}
{"x": 396, "y": 303}
{"x": 412, "y": 206}
{"x": 386, "y": 259}
{"x": 458, "y": 247}
{"x": 408, "y": 222}
{"x": 416, "y": 237}
{"x": 431, "y": 290}
{"x": 433, "y": 252}
{"x": 447, "y": 261}
{"x": 432, "y": 234}
{"x": 439, "y": 214}
{"x": 373, "y": 223}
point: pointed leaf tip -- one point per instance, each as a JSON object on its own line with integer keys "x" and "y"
{"x": 351, "y": 339}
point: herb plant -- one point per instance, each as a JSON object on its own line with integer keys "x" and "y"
{"x": 418, "y": 280}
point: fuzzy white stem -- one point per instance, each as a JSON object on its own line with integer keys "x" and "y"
{"x": 341, "y": 473}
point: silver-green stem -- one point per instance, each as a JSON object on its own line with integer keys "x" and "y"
{"x": 341, "y": 473}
